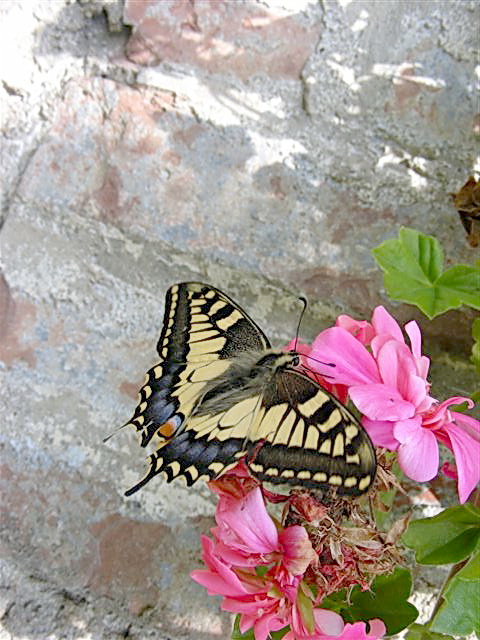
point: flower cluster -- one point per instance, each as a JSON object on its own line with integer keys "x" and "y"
{"x": 275, "y": 574}
{"x": 264, "y": 571}
{"x": 387, "y": 381}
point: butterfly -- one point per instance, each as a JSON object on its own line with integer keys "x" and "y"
{"x": 220, "y": 393}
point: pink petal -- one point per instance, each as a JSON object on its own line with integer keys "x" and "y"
{"x": 380, "y": 402}
{"x": 396, "y": 365}
{"x": 220, "y": 579}
{"x": 440, "y": 412}
{"x": 381, "y": 433}
{"x": 360, "y": 329}
{"x": 239, "y": 558}
{"x": 450, "y": 470}
{"x": 341, "y": 359}
{"x": 246, "y": 525}
{"x": 413, "y": 332}
{"x": 357, "y": 631}
{"x": 423, "y": 363}
{"x": 418, "y": 451}
{"x": 383, "y": 322}
{"x": 417, "y": 393}
{"x": 378, "y": 342}
{"x": 248, "y": 606}
{"x": 214, "y": 584}
{"x": 377, "y": 628}
{"x": 328, "y": 622}
{"x": 298, "y": 550}
{"x": 267, "y": 623}
{"x": 246, "y": 622}
{"x": 398, "y": 369}
{"x": 468, "y": 424}
{"x": 467, "y": 457}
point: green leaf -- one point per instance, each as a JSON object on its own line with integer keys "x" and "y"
{"x": 413, "y": 274}
{"x": 335, "y": 601}
{"x": 305, "y": 607}
{"x": 388, "y": 601}
{"x": 476, "y": 344}
{"x": 449, "y": 537}
{"x": 460, "y": 285}
{"x": 459, "y": 613}
{"x": 238, "y": 635}
{"x": 421, "y": 632}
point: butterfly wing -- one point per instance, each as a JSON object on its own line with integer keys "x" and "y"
{"x": 310, "y": 439}
{"x": 203, "y": 330}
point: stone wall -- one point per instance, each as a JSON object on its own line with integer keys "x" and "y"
{"x": 264, "y": 147}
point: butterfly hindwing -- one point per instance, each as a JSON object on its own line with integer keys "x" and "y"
{"x": 209, "y": 444}
{"x": 203, "y": 330}
{"x": 310, "y": 439}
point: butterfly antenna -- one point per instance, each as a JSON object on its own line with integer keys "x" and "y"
{"x": 115, "y": 431}
{"x": 305, "y": 305}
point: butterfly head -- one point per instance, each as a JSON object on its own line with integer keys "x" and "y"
{"x": 294, "y": 358}
{"x": 285, "y": 360}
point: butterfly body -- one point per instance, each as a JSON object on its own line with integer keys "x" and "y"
{"x": 221, "y": 393}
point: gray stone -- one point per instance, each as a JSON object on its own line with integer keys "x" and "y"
{"x": 264, "y": 147}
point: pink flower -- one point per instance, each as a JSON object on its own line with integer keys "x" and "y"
{"x": 246, "y": 537}
{"x": 387, "y": 382}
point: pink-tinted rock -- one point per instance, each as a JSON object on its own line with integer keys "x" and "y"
{"x": 17, "y": 318}
{"x": 221, "y": 37}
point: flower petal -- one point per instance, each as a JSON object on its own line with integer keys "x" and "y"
{"x": 468, "y": 424}
{"x": 328, "y": 622}
{"x": 267, "y": 622}
{"x": 342, "y": 359}
{"x": 246, "y": 526}
{"x": 360, "y": 329}
{"x": 423, "y": 363}
{"x": 218, "y": 579}
{"x": 357, "y": 631}
{"x": 440, "y": 413}
{"x": 396, "y": 365}
{"x": 381, "y": 433}
{"x": 450, "y": 470}
{"x": 467, "y": 456}
{"x": 383, "y": 322}
{"x": 381, "y": 402}
{"x": 298, "y": 550}
{"x": 413, "y": 332}
{"x": 377, "y": 628}
{"x": 418, "y": 451}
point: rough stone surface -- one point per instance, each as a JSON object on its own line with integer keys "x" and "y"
{"x": 264, "y": 147}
